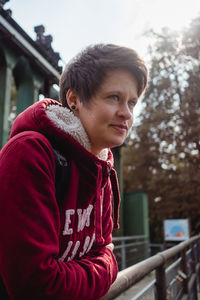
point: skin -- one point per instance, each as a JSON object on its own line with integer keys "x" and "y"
{"x": 108, "y": 115}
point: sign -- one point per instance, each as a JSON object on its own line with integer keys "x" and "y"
{"x": 176, "y": 229}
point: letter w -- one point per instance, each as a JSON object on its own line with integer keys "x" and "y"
{"x": 84, "y": 217}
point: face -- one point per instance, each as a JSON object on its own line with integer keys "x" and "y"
{"x": 108, "y": 116}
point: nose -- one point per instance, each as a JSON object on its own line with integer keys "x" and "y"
{"x": 125, "y": 112}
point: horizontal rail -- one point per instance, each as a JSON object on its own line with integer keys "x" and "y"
{"x": 127, "y": 277}
{"x": 130, "y": 245}
{"x": 127, "y": 238}
{"x": 147, "y": 287}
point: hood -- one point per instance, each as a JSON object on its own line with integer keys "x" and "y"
{"x": 48, "y": 117}
{"x": 66, "y": 133}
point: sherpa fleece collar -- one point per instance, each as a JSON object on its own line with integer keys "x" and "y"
{"x": 64, "y": 119}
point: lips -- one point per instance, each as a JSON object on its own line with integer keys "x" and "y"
{"x": 120, "y": 127}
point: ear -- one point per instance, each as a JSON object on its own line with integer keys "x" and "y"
{"x": 73, "y": 102}
{"x": 72, "y": 99}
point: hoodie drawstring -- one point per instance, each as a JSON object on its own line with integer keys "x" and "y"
{"x": 98, "y": 205}
{"x": 98, "y": 217}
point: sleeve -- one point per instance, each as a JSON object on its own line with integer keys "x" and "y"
{"x": 29, "y": 230}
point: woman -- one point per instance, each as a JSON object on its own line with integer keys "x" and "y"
{"x": 62, "y": 248}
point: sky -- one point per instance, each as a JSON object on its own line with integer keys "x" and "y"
{"x": 75, "y": 24}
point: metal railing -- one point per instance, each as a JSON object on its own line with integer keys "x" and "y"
{"x": 130, "y": 250}
{"x": 177, "y": 274}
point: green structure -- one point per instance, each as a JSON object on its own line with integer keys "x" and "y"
{"x": 28, "y": 69}
{"x": 136, "y": 214}
{"x": 136, "y": 220}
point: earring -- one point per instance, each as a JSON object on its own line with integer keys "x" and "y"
{"x": 73, "y": 107}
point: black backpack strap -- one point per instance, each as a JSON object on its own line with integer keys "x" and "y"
{"x": 3, "y": 292}
{"x": 62, "y": 178}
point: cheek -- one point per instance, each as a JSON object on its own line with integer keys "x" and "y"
{"x": 103, "y": 116}
{"x": 130, "y": 122}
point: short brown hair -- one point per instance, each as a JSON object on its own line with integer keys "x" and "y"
{"x": 86, "y": 72}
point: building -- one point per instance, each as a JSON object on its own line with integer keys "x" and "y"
{"x": 27, "y": 69}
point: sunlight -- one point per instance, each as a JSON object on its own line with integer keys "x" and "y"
{"x": 175, "y": 14}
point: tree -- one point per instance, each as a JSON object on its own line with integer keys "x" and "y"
{"x": 163, "y": 152}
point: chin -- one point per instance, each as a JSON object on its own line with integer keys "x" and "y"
{"x": 111, "y": 142}
{"x": 116, "y": 144}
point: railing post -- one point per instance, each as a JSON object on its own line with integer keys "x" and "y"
{"x": 198, "y": 250}
{"x": 194, "y": 262}
{"x": 198, "y": 262}
{"x": 184, "y": 269}
{"x": 161, "y": 283}
{"x": 123, "y": 253}
{"x": 194, "y": 257}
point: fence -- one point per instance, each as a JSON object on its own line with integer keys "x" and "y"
{"x": 177, "y": 274}
{"x": 130, "y": 250}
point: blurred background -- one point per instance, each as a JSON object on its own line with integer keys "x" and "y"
{"x": 160, "y": 163}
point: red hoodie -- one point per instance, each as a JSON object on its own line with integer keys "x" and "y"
{"x": 49, "y": 251}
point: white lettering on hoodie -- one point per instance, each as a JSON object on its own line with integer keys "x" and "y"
{"x": 68, "y": 214}
{"x": 83, "y": 221}
{"x": 84, "y": 217}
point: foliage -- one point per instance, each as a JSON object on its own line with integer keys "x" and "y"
{"x": 163, "y": 153}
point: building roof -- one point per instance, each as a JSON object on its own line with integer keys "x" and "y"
{"x": 15, "y": 37}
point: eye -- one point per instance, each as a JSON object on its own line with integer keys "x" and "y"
{"x": 132, "y": 103}
{"x": 114, "y": 97}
